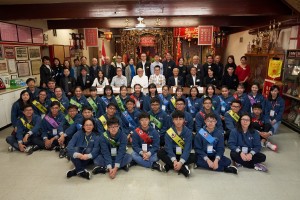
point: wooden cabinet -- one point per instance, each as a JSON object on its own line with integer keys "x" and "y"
{"x": 259, "y": 64}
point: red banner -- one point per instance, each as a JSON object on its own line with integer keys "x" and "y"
{"x": 183, "y": 32}
{"x": 267, "y": 86}
{"x": 91, "y": 37}
{"x": 205, "y": 35}
{"x": 147, "y": 41}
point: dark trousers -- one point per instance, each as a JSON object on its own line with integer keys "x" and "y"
{"x": 162, "y": 140}
{"x": 163, "y": 155}
{"x": 12, "y": 140}
{"x": 257, "y": 158}
{"x": 223, "y": 163}
{"x": 41, "y": 143}
{"x": 80, "y": 165}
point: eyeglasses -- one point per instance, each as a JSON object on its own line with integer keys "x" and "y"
{"x": 207, "y": 103}
{"x": 235, "y": 106}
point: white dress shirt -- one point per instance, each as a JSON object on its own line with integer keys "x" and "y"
{"x": 143, "y": 81}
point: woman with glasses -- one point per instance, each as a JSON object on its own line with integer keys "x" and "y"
{"x": 244, "y": 143}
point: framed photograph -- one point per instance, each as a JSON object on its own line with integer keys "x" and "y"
{"x": 3, "y": 66}
{"x": 14, "y": 76}
{"x": 21, "y": 53}
{"x": 35, "y": 66}
{"x": 11, "y": 66}
{"x": 9, "y": 52}
{"x": 34, "y": 53}
{"x": 1, "y": 52}
{"x": 23, "y": 69}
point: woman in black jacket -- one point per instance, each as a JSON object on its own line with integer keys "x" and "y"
{"x": 46, "y": 72}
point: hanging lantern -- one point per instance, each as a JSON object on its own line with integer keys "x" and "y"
{"x": 108, "y": 35}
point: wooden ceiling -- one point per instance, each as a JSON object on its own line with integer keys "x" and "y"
{"x": 229, "y": 14}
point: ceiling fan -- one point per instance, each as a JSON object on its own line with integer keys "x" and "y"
{"x": 140, "y": 25}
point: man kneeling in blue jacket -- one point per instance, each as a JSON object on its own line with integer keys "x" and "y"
{"x": 113, "y": 150}
{"x": 145, "y": 144}
{"x": 176, "y": 154}
{"x": 209, "y": 147}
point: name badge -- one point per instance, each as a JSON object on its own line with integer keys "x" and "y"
{"x": 42, "y": 116}
{"x": 69, "y": 82}
{"x": 178, "y": 150}
{"x": 223, "y": 108}
{"x": 272, "y": 113}
{"x": 113, "y": 151}
{"x": 169, "y": 67}
{"x": 138, "y": 104}
{"x": 145, "y": 147}
{"x": 54, "y": 131}
{"x": 245, "y": 149}
{"x": 210, "y": 149}
{"x": 87, "y": 81}
{"x": 153, "y": 125}
{"x": 163, "y": 107}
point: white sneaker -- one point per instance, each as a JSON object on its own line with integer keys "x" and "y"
{"x": 271, "y": 146}
{"x": 11, "y": 149}
{"x": 263, "y": 144}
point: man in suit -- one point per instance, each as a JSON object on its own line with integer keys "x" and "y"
{"x": 84, "y": 80}
{"x": 209, "y": 65}
{"x": 168, "y": 66}
{"x": 46, "y": 72}
{"x": 67, "y": 83}
{"x": 120, "y": 64}
{"x": 144, "y": 65}
{"x": 94, "y": 69}
{"x": 198, "y": 66}
{"x": 193, "y": 79}
{"x": 108, "y": 70}
{"x": 175, "y": 80}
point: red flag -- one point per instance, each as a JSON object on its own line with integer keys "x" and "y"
{"x": 103, "y": 53}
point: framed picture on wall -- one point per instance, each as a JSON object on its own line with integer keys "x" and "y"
{"x": 12, "y": 66}
{"x": 21, "y": 53}
{"x": 34, "y": 53}
{"x": 9, "y": 52}
{"x": 35, "y": 66}
{"x": 3, "y": 66}
{"x": 23, "y": 69}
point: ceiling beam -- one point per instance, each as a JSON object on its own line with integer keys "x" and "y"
{"x": 186, "y": 21}
{"x": 152, "y": 8}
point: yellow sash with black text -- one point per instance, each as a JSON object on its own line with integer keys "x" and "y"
{"x": 175, "y": 138}
{"x": 103, "y": 121}
{"x": 235, "y": 116}
{"x": 62, "y": 108}
{"x": 39, "y": 106}
{"x": 26, "y": 125}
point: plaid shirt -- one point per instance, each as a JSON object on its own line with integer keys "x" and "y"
{"x": 157, "y": 80}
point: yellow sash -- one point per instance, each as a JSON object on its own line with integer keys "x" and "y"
{"x": 103, "y": 121}
{"x": 62, "y": 108}
{"x": 175, "y": 138}
{"x": 39, "y": 106}
{"x": 235, "y": 116}
{"x": 173, "y": 100}
{"x": 27, "y": 125}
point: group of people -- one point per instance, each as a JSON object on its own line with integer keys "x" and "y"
{"x": 159, "y": 72}
{"x": 97, "y": 129}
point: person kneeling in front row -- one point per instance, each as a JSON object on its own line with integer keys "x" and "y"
{"x": 244, "y": 143}
{"x": 209, "y": 147}
{"x": 83, "y": 148}
{"x": 113, "y": 150}
{"x": 178, "y": 144}
{"x": 145, "y": 144}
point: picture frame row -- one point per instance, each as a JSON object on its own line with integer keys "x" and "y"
{"x": 20, "y": 52}
{"x": 22, "y": 68}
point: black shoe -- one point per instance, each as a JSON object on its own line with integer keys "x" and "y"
{"x": 85, "y": 174}
{"x": 231, "y": 169}
{"x": 68, "y": 157}
{"x": 126, "y": 167}
{"x": 185, "y": 170}
{"x": 71, "y": 173}
{"x": 99, "y": 170}
{"x": 165, "y": 168}
{"x": 62, "y": 152}
{"x": 132, "y": 163}
{"x": 56, "y": 148}
{"x": 156, "y": 166}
